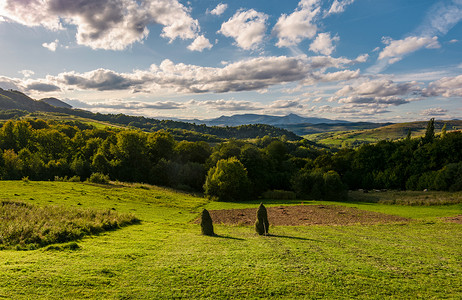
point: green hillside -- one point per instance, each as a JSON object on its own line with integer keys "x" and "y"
{"x": 388, "y": 132}
{"x": 14, "y": 104}
{"x": 166, "y": 257}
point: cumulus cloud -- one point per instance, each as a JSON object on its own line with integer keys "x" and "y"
{"x": 292, "y": 29}
{"x": 200, "y": 43}
{"x": 343, "y": 75}
{"x": 219, "y": 9}
{"x": 437, "y": 111}
{"x": 324, "y": 44}
{"x": 100, "y": 79}
{"x": 283, "y": 104}
{"x": 246, "y": 75}
{"x": 380, "y": 88}
{"x": 247, "y": 27}
{"x": 125, "y": 105}
{"x": 446, "y": 87}
{"x": 390, "y": 100}
{"x": 338, "y": 6}
{"x": 228, "y": 105}
{"x": 52, "y": 46}
{"x": 42, "y": 87}
{"x": 27, "y": 73}
{"x": 396, "y": 49}
{"x": 376, "y": 96}
{"x": 10, "y": 83}
{"x": 105, "y": 24}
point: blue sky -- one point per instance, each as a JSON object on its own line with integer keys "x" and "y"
{"x": 358, "y": 60}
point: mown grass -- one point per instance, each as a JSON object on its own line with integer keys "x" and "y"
{"x": 166, "y": 257}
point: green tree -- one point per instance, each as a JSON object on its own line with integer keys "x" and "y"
{"x": 227, "y": 181}
{"x": 444, "y": 130}
{"x": 430, "y": 131}
{"x": 334, "y": 189}
{"x": 160, "y": 145}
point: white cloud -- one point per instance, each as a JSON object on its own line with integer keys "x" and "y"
{"x": 446, "y": 87}
{"x": 247, "y": 27}
{"x": 52, "y": 46}
{"x": 343, "y": 75}
{"x": 199, "y": 44}
{"x": 338, "y": 6}
{"x": 441, "y": 17}
{"x": 127, "y": 105}
{"x": 396, "y": 49}
{"x": 256, "y": 74}
{"x": 380, "y": 88}
{"x": 292, "y": 29}
{"x": 27, "y": 73}
{"x": 105, "y": 24}
{"x": 228, "y": 105}
{"x": 10, "y": 83}
{"x": 375, "y": 96}
{"x": 324, "y": 44}
{"x": 284, "y": 104}
{"x": 437, "y": 111}
{"x": 219, "y": 9}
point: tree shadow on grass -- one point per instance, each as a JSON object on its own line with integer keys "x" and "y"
{"x": 292, "y": 237}
{"x": 227, "y": 237}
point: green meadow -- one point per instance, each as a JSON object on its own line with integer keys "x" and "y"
{"x": 165, "y": 256}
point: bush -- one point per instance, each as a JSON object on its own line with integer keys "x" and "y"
{"x": 262, "y": 224}
{"x": 206, "y": 223}
{"x": 99, "y": 178}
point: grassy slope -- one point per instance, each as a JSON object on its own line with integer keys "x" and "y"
{"x": 389, "y": 132}
{"x": 166, "y": 257}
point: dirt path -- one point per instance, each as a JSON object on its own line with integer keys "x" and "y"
{"x": 303, "y": 215}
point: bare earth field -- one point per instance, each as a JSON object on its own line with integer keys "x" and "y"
{"x": 456, "y": 219}
{"x": 302, "y": 215}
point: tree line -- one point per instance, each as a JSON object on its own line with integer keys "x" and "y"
{"x": 229, "y": 170}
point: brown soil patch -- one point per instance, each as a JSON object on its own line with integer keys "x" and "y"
{"x": 456, "y": 219}
{"x": 303, "y": 215}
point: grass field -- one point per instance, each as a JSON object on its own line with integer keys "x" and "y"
{"x": 165, "y": 256}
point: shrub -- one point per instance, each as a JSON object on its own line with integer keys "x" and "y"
{"x": 262, "y": 224}
{"x": 206, "y": 223}
{"x": 99, "y": 178}
{"x": 74, "y": 179}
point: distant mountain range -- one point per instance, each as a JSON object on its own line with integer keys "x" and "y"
{"x": 246, "y": 119}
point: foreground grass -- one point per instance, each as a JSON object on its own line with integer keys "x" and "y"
{"x": 26, "y": 226}
{"x": 166, "y": 257}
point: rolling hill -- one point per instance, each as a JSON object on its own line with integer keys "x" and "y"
{"x": 385, "y": 132}
{"x": 14, "y": 103}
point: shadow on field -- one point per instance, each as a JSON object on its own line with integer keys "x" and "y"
{"x": 292, "y": 237}
{"x": 227, "y": 237}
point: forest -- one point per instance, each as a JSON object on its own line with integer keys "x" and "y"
{"x": 35, "y": 149}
